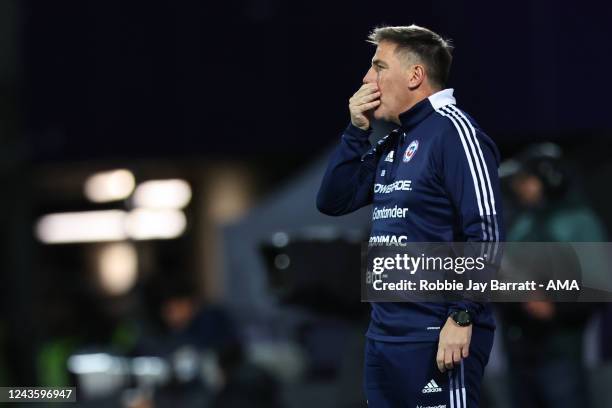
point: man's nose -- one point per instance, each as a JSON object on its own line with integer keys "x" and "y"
{"x": 369, "y": 77}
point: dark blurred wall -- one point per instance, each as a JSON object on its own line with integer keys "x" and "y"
{"x": 17, "y": 326}
{"x": 123, "y": 79}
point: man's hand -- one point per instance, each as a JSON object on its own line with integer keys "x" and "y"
{"x": 363, "y": 100}
{"x": 454, "y": 345}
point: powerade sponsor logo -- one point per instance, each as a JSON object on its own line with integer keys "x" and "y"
{"x": 399, "y": 240}
{"x": 431, "y": 406}
{"x": 384, "y": 212}
{"x": 399, "y": 185}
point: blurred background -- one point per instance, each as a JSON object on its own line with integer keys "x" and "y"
{"x": 159, "y": 164}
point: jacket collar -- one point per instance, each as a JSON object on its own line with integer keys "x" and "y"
{"x": 422, "y": 109}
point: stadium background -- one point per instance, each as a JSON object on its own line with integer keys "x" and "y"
{"x": 243, "y": 100}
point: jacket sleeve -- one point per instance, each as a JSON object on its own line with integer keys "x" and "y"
{"x": 470, "y": 162}
{"x": 348, "y": 181}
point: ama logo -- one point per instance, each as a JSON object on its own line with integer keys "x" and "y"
{"x": 411, "y": 151}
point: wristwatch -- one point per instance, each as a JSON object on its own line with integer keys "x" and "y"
{"x": 463, "y": 318}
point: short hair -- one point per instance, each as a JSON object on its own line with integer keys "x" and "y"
{"x": 434, "y": 51}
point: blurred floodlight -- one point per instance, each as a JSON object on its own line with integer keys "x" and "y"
{"x": 280, "y": 239}
{"x": 282, "y": 261}
{"x": 171, "y": 193}
{"x": 143, "y": 223}
{"x": 229, "y": 191}
{"x": 90, "y": 226}
{"x": 154, "y": 367}
{"x": 92, "y": 363}
{"x": 99, "y": 374}
{"x": 110, "y": 225}
{"x": 109, "y": 186}
{"x": 117, "y": 267}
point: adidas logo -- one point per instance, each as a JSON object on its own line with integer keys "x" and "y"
{"x": 389, "y": 157}
{"x": 431, "y": 387}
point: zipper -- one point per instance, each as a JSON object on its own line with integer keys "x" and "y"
{"x": 399, "y": 142}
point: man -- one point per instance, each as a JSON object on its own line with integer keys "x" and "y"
{"x": 418, "y": 354}
{"x": 544, "y": 338}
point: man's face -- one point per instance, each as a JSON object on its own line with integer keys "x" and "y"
{"x": 392, "y": 78}
{"x": 529, "y": 189}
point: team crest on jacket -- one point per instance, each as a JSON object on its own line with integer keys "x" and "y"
{"x": 411, "y": 151}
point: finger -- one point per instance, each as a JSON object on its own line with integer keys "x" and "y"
{"x": 466, "y": 351}
{"x": 440, "y": 360}
{"x": 365, "y": 90}
{"x": 370, "y": 97}
{"x": 357, "y": 98}
{"x": 368, "y": 87}
{"x": 448, "y": 359}
{"x": 457, "y": 356}
{"x": 365, "y": 106}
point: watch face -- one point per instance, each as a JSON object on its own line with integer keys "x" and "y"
{"x": 462, "y": 318}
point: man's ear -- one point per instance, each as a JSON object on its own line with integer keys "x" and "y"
{"x": 416, "y": 75}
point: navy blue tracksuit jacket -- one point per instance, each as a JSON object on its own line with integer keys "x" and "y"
{"x": 433, "y": 179}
